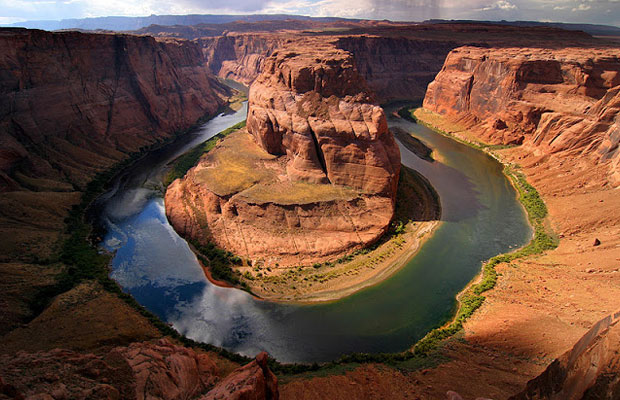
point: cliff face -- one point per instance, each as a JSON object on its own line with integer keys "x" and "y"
{"x": 72, "y": 104}
{"x": 319, "y": 112}
{"x": 141, "y": 370}
{"x": 554, "y": 102}
{"x": 588, "y": 371}
{"x": 316, "y": 178}
{"x": 239, "y": 56}
{"x": 397, "y": 67}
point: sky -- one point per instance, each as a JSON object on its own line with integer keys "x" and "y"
{"x": 582, "y": 11}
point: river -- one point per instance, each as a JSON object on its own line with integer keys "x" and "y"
{"x": 481, "y": 217}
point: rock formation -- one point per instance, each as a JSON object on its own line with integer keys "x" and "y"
{"x": 316, "y": 109}
{"x": 588, "y": 371}
{"x": 552, "y": 101}
{"x": 381, "y": 61}
{"x": 72, "y": 104}
{"x": 146, "y": 370}
{"x": 239, "y": 57}
{"x": 324, "y": 168}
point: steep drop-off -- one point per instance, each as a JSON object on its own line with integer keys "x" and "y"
{"x": 74, "y": 103}
{"x": 552, "y": 101}
{"x": 322, "y": 166}
{"x": 239, "y": 57}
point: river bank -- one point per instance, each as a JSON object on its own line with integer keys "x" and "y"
{"x": 541, "y": 304}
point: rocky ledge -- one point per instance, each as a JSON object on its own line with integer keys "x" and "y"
{"x": 551, "y": 101}
{"x": 314, "y": 175}
{"x": 142, "y": 370}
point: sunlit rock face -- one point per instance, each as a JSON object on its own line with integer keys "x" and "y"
{"x": 554, "y": 101}
{"x": 324, "y": 165}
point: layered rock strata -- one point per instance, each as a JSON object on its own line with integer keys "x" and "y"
{"x": 239, "y": 57}
{"x": 319, "y": 171}
{"x": 72, "y": 103}
{"x": 553, "y": 101}
{"x": 143, "y": 370}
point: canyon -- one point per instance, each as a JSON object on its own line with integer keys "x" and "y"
{"x": 328, "y": 151}
{"x": 87, "y": 101}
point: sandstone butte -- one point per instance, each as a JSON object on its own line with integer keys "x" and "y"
{"x": 323, "y": 172}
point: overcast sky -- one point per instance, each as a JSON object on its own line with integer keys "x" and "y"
{"x": 589, "y": 11}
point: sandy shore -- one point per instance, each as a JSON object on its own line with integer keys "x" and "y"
{"x": 338, "y": 279}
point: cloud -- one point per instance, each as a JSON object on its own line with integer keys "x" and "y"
{"x": 500, "y": 5}
{"x": 587, "y": 11}
{"x": 582, "y": 7}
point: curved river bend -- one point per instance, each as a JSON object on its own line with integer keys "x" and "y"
{"x": 481, "y": 218}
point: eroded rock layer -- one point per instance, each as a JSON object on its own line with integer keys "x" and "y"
{"x": 72, "y": 104}
{"x": 552, "y": 101}
{"x": 319, "y": 171}
{"x": 142, "y": 370}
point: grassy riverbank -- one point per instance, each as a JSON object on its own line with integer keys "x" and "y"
{"x": 425, "y": 353}
{"x": 543, "y": 239}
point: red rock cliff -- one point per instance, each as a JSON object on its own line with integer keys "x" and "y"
{"x": 318, "y": 175}
{"x": 553, "y": 101}
{"x": 320, "y": 113}
{"x": 239, "y": 56}
{"x": 72, "y": 104}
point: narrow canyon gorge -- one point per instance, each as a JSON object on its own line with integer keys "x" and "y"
{"x": 311, "y": 177}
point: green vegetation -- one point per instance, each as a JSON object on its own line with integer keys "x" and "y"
{"x": 408, "y": 114}
{"x": 220, "y": 263}
{"x": 472, "y": 298}
{"x": 183, "y": 163}
{"x": 83, "y": 262}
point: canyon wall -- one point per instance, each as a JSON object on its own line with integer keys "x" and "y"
{"x": 379, "y": 60}
{"x": 239, "y": 57}
{"x": 553, "y": 101}
{"x": 397, "y": 68}
{"x": 72, "y": 104}
{"x": 323, "y": 168}
{"x": 588, "y": 371}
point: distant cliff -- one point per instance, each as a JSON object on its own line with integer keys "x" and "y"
{"x": 72, "y": 104}
{"x": 239, "y": 57}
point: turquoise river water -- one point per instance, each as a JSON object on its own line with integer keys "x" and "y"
{"x": 481, "y": 217}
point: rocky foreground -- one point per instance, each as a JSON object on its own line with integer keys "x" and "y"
{"x": 321, "y": 167}
{"x": 143, "y": 370}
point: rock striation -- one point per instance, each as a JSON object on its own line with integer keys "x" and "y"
{"x": 382, "y": 60}
{"x": 317, "y": 110}
{"x": 320, "y": 167}
{"x": 239, "y": 57}
{"x": 588, "y": 371}
{"x": 72, "y": 104}
{"x": 142, "y": 370}
{"x": 561, "y": 101}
